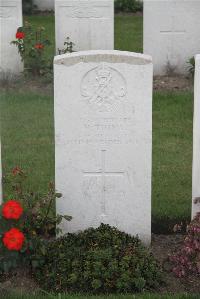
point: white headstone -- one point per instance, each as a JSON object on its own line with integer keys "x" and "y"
{"x": 171, "y": 33}
{"x": 10, "y": 20}
{"x": 45, "y": 4}
{"x": 103, "y": 129}
{"x": 196, "y": 142}
{"x": 88, "y": 23}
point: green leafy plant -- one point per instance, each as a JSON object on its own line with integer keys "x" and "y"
{"x": 12, "y": 240}
{"x": 187, "y": 259}
{"x": 68, "y": 47}
{"x": 128, "y": 5}
{"x": 191, "y": 63}
{"x": 33, "y": 219}
{"x": 101, "y": 260}
{"x": 32, "y": 45}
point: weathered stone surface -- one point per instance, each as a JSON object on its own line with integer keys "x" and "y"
{"x": 88, "y": 23}
{"x": 103, "y": 129}
{"x": 10, "y": 20}
{"x": 171, "y": 33}
{"x": 196, "y": 142}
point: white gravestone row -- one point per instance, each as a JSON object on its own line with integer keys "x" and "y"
{"x": 103, "y": 131}
{"x": 196, "y": 142}
{"x": 88, "y": 23}
{"x": 171, "y": 33}
{"x": 10, "y": 20}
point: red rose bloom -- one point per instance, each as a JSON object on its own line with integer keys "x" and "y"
{"x": 39, "y": 46}
{"x": 20, "y": 35}
{"x": 13, "y": 239}
{"x": 12, "y": 209}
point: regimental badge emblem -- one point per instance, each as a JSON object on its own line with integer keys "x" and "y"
{"x": 103, "y": 88}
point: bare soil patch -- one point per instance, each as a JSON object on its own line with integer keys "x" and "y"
{"x": 40, "y": 85}
{"x": 45, "y": 85}
{"x": 173, "y": 83}
{"x": 162, "y": 246}
{"x": 20, "y": 281}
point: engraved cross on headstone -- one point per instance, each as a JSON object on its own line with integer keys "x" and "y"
{"x": 103, "y": 173}
{"x": 173, "y": 33}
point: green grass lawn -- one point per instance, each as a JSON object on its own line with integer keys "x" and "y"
{"x": 172, "y": 157}
{"x": 27, "y": 133}
{"x": 129, "y": 33}
{"x": 146, "y": 296}
{"x": 27, "y": 136}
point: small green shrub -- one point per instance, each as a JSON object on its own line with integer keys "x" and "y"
{"x": 26, "y": 219}
{"x": 102, "y": 260}
{"x": 128, "y": 5}
{"x": 191, "y": 63}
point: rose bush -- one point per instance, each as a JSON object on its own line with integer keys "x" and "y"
{"x": 13, "y": 239}
{"x": 12, "y": 210}
{"x": 25, "y": 222}
{"x": 20, "y": 35}
{"x": 32, "y": 45}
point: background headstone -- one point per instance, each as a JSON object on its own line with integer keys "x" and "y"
{"x": 88, "y": 23}
{"x": 10, "y": 20}
{"x": 171, "y": 33}
{"x": 45, "y": 4}
{"x": 196, "y": 142}
{"x": 103, "y": 129}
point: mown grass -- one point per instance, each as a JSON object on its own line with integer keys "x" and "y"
{"x": 27, "y": 136}
{"x": 129, "y": 33}
{"x": 172, "y": 158}
{"x": 145, "y": 296}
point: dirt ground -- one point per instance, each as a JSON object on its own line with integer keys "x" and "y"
{"x": 162, "y": 245}
{"x": 173, "y": 83}
{"x": 45, "y": 86}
